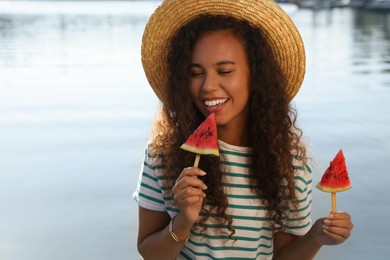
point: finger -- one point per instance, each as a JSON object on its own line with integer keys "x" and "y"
{"x": 191, "y": 200}
{"x": 339, "y": 219}
{"x": 339, "y": 227}
{"x": 339, "y": 223}
{"x": 184, "y": 200}
{"x": 337, "y": 239}
{"x": 188, "y": 181}
{"x": 338, "y": 234}
{"x": 187, "y": 192}
{"x": 339, "y": 215}
{"x": 191, "y": 171}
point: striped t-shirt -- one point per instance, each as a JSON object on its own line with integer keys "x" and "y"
{"x": 253, "y": 235}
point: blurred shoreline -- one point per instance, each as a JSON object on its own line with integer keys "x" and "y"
{"x": 75, "y": 7}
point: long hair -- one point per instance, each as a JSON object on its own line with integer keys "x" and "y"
{"x": 273, "y": 134}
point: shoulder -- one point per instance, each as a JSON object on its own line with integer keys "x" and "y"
{"x": 153, "y": 151}
{"x": 153, "y": 160}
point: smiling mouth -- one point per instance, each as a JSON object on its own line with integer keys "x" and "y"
{"x": 216, "y": 102}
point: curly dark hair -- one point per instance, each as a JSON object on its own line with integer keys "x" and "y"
{"x": 272, "y": 131}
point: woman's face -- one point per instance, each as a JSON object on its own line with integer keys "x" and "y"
{"x": 220, "y": 79}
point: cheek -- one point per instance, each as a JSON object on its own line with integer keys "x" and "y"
{"x": 240, "y": 87}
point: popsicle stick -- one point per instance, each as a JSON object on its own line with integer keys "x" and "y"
{"x": 334, "y": 202}
{"x": 197, "y": 159}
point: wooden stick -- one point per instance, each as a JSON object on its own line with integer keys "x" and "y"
{"x": 334, "y": 202}
{"x": 197, "y": 159}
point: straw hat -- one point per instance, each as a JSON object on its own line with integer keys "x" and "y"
{"x": 171, "y": 15}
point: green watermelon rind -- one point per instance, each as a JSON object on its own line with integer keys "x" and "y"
{"x": 332, "y": 190}
{"x": 201, "y": 151}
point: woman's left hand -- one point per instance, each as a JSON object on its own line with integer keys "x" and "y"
{"x": 334, "y": 229}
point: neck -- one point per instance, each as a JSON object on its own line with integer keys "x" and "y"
{"x": 235, "y": 136}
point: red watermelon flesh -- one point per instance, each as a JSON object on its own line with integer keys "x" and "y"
{"x": 204, "y": 139}
{"x": 335, "y": 178}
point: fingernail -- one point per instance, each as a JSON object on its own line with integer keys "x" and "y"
{"x": 202, "y": 173}
{"x": 327, "y": 222}
{"x": 325, "y": 227}
{"x": 331, "y": 215}
{"x": 205, "y": 187}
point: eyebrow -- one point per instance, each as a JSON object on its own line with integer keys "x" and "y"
{"x": 225, "y": 62}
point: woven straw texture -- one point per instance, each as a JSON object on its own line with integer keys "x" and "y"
{"x": 171, "y": 15}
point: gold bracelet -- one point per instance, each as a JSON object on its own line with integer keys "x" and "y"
{"x": 174, "y": 236}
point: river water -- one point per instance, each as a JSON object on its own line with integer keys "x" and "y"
{"x": 75, "y": 113}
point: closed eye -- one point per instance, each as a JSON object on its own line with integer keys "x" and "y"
{"x": 196, "y": 70}
{"x": 225, "y": 72}
{"x": 196, "y": 74}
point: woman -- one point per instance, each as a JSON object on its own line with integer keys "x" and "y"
{"x": 243, "y": 61}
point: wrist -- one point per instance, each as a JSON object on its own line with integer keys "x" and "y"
{"x": 179, "y": 230}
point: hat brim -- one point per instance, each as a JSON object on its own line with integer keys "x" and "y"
{"x": 282, "y": 35}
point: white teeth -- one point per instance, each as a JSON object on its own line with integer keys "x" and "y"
{"x": 212, "y": 103}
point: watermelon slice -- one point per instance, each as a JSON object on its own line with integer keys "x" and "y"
{"x": 204, "y": 139}
{"x": 335, "y": 178}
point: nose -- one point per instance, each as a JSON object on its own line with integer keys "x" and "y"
{"x": 210, "y": 83}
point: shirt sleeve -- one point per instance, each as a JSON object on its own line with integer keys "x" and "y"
{"x": 299, "y": 219}
{"x": 149, "y": 194}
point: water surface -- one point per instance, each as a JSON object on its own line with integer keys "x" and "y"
{"x": 76, "y": 109}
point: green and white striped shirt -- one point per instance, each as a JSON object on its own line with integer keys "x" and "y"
{"x": 253, "y": 236}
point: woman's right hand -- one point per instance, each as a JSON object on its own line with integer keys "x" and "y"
{"x": 188, "y": 193}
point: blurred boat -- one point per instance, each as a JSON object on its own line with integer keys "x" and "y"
{"x": 372, "y": 5}
{"x": 322, "y": 4}
{"x": 378, "y": 5}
